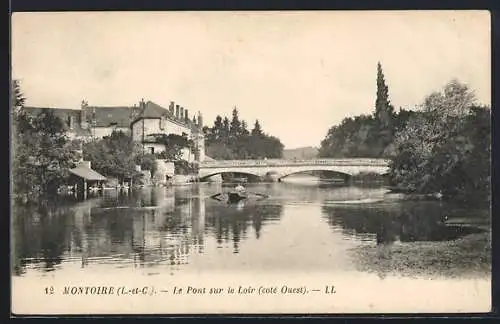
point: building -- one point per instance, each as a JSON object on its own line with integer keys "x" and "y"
{"x": 144, "y": 122}
{"x": 70, "y": 117}
{"x": 155, "y": 120}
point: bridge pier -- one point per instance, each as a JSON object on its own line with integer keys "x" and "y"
{"x": 272, "y": 178}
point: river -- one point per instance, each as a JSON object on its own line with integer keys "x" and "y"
{"x": 376, "y": 248}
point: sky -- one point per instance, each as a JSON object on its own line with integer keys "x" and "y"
{"x": 299, "y": 73}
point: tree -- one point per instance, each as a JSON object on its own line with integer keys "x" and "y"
{"x": 456, "y": 99}
{"x": 224, "y": 134}
{"x": 256, "y": 131}
{"x": 43, "y": 155}
{"x": 17, "y": 97}
{"x": 383, "y": 109}
{"x": 173, "y": 145}
{"x": 113, "y": 155}
{"x": 365, "y": 136}
{"x": 244, "y": 129}
{"x": 235, "y": 127}
{"x": 147, "y": 162}
{"x": 445, "y": 147}
{"x": 232, "y": 140}
{"x": 216, "y": 130}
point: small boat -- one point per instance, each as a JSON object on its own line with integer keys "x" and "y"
{"x": 237, "y": 195}
{"x": 234, "y": 197}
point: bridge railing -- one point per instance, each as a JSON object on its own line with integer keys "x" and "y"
{"x": 297, "y": 162}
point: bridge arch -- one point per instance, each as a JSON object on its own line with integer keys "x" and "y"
{"x": 205, "y": 176}
{"x": 344, "y": 175}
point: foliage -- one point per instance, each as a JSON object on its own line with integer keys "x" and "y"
{"x": 16, "y": 96}
{"x": 446, "y": 148}
{"x": 173, "y": 145}
{"x": 227, "y": 140}
{"x": 42, "y": 154}
{"x": 366, "y": 136}
{"x": 184, "y": 167}
{"x": 113, "y": 155}
{"x": 147, "y": 162}
{"x": 384, "y": 111}
{"x": 442, "y": 147}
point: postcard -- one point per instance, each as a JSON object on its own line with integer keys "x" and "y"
{"x": 251, "y": 162}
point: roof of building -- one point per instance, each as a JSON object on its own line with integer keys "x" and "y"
{"x": 152, "y": 110}
{"x": 109, "y": 116}
{"x": 119, "y": 116}
{"x": 63, "y": 114}
{"x": 87, "y": 174}
{"x": 59, "y": 112}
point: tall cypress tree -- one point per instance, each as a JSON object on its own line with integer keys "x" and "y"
{"x": 384, "y": 111}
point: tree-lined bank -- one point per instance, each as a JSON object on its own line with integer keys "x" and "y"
{"x": 228, "y": 140}
{"x": 443, "y": 146}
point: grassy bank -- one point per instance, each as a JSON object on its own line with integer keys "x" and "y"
{"x": 468, "y": 256}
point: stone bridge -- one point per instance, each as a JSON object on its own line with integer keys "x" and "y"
{"x": 283, "y": 168}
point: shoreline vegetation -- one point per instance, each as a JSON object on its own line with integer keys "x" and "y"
{"x": 439, "y": 150}
{"x": 429, "y": 258}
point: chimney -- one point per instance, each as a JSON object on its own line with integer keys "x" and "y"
{"x": 171, "y": 108}
{"x": 200, "y": 120}
{"x": 186, "y": 115}
{"x": 177, "y": 111}
{"x": 135, "y": 112}
{"x": 83, "y": 115}
{"x": 181, "y": 113}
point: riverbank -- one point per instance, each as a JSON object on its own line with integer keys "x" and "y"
{"x": 470, "y": 199}
{"x": 429, "y": 259}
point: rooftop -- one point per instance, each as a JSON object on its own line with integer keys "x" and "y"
{"x": 109, "y": 116}
{"x": 87, "y": 174}
{"x": 119, "y": 116}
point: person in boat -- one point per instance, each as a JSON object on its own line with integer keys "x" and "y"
{"x": 239, "y": 188}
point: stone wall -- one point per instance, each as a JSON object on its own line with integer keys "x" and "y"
{"x": 164, "y": 170}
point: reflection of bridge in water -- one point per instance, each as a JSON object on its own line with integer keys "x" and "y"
{"x": 283, "y": 168}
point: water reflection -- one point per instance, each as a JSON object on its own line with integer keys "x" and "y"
{"x": 396, "y": 221}
{"x": 302, "y": 226}
{"x": 159, "y": 226}
{"x": 232, "y": 223}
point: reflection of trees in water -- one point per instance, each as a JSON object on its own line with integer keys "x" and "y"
{"x": 231, "y": 222}
{"x": 157, "y": 226}
{"x": 40, "y": 236}
{"x": 142, "y": 228}
{"x": 403, "y": 221}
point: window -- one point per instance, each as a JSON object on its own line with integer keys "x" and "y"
{"x": 162, "y": 122}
